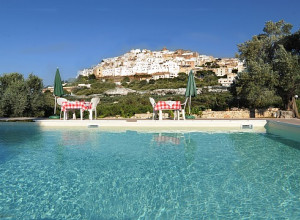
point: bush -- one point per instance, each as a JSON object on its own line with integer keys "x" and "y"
{"x": 125, "y": 106}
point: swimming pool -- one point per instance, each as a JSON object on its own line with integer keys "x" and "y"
{"x": 89, "y": 173}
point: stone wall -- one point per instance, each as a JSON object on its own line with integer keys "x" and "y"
{"x": 241, "y": 113}
{"x": 285, "y": 114}
{"x": 232, "y": 114}
{"x": 148, "y": 115}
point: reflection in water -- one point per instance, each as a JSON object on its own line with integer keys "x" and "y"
{"x": 69, "y": 138}
{"x": 190, "y": 146}
{"x": 14, "y": 135}
{"x": 167, "y": 138}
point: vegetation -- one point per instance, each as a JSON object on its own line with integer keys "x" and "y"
{"x": 20, "y": 97}
{"x": 272, "y": 77}
{"x": 124, "y": 106}
{"x": 206, "y": 78}
{"x": 96, "y": 88}
{"x": 127, "y": 106}
{"x": 211, "y": 65}
{"x": 203, "y": 78}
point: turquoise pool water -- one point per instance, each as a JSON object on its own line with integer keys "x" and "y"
{"x": 96, "y": 174}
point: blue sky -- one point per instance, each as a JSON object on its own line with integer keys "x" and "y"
{"x": 39, "y": 35}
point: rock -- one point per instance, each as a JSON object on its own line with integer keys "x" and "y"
{"x": 160, "y": 92}
{"x": 119, "y": 91}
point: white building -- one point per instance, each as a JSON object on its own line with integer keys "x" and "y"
{"x": 172, "y": 68}
{"x": 228, "y": 80}
{"x": 161, "y": 64}
{"x": 85, "y": 72}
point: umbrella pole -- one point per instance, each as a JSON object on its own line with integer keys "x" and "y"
{"x": 190, "y": 102}
{"x": 55, "y": 106}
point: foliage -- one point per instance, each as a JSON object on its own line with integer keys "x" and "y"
{"x": 81, "y": 79}
{"x": 202, "y": 73}
{"x": 91, "y": 77}
{"x": 211, "y": 65}
{"x": 235, "y": 71}
{"x": 164, "y": 83}
{"x": 291, "y": 42}
{"x": 256, "y": 86}
{"x": 125, "y": 79}
{"x": 66, "y": 92}
{"x": 20, "y": 97}
{"x": 272, "y": 72}
{"x": 287, "y": 69}
{"x": 182, "y": 76}
{"x": 125, "y": 106}
{"x": 151, "y": 81}
{"x": 49, "y": 103}
{"x": 214, "y": 101}
{"x": 208, "y": 79}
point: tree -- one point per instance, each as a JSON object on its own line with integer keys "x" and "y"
{"x": 235, "y": 71}
{"x": 143, "y": 83}
{"x": 82, "y": 79}
{"x": 270, "y": 68}
{"x": 91, "y": 77}
{"x": 182, "y": 76}
{"x": 211, "y": 65}
{"x": 125, "y": 81}
{"x": 35, "y": 96}
{"x": 256, "y": 85}
{"x": 287, "y": 68}
{"x": 20, "y": 97}
{"x": 202, "y": 73}
{"x": 152, "y": 81}
{"x": 291, "y": 43}
{"x": 13, "y": 95}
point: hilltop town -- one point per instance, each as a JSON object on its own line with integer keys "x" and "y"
{"x": 147, "y": 64}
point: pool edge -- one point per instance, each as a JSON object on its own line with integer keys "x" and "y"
{"x": 283, "y": 129}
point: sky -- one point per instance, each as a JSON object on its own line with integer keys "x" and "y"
{"x": 37, "y": 36}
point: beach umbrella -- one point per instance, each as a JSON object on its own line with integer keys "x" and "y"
{"x": 191, "y": 90}
{"x": 58, "y": 89}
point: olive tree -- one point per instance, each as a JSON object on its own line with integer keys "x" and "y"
{"x": 271, "y": 72}
{"x": 20, "y": 97}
